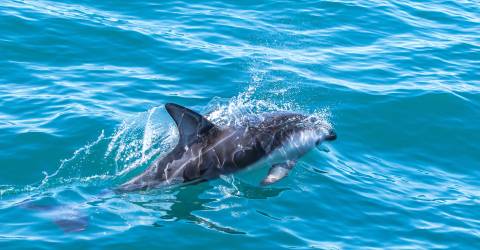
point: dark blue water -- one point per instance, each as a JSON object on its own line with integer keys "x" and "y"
{"x": 82, "y": 89}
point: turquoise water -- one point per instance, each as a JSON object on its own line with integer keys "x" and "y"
{"x": 82, "y": 89}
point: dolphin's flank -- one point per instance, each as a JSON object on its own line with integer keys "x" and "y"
{"x": 205, "y": 151}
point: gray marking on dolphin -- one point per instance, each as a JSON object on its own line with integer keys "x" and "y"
{"x": 206, "y": 151}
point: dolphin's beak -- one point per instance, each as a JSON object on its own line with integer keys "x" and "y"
{"x": 331, "y": 136}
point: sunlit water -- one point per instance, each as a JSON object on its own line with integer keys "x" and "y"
{"x": 82, "y": 89}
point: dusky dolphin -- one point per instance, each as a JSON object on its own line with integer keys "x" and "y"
{"x": 206, "y": 151}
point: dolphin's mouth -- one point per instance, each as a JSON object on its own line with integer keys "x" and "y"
{"x": 331, "y": 136}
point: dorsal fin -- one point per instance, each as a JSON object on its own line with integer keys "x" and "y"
{"x": 190, "y": 124}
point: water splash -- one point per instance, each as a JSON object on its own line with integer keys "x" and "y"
{"x": 83, "y": 150}
{"x": 259, "y": 97}
{"x": 108, "y": 158}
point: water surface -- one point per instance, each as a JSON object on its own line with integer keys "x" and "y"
{"x": 82, "y": 89}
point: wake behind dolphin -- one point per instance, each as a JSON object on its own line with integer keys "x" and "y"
{"x": 205, "y": 151}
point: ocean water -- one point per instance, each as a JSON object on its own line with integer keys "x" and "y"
{"x": 82, "y": 89}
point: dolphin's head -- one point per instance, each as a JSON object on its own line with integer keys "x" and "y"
{"x": 326, "y": 130}
{"x": 319, "y": 129}
{"x": 298, "y": 131}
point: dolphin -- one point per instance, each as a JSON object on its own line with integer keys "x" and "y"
{"x": 205, "y": 151}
